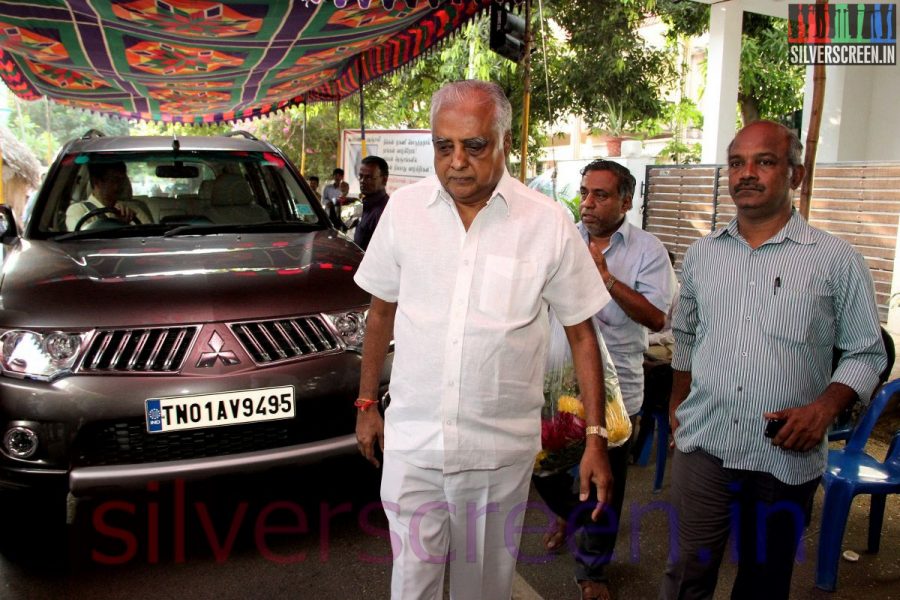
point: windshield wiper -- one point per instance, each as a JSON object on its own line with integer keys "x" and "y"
{"x": 212, "y": 228}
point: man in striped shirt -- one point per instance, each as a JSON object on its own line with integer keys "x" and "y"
{"x": 763, "y": 303}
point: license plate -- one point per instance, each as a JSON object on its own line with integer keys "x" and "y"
{"x": 176, "y": 413}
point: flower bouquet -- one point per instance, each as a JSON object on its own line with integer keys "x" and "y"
{"x": 562, "y": 416}
{"x": 562, "y": 423}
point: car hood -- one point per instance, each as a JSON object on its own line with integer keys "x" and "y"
{"x": 161, "y": 281}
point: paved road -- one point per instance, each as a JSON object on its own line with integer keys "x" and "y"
{"x": 315, "y": 533}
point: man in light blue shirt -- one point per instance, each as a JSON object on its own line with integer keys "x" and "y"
{"x": 764, "y": 302}
{"x": 636, "y": 269}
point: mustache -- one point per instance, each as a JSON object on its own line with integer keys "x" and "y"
{"x": 749, "y": 186}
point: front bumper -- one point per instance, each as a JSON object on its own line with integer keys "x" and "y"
{"x": 91, "y": 480}
{"x": 93, "y": 428}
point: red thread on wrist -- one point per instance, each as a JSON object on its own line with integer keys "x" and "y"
{"x": 363, "y": 404}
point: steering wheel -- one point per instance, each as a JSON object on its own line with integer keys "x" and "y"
{"x": 94, "y": 212}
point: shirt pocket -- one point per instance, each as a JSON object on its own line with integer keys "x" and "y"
{"x": 799, "y": 316}
{"x": 510, "y": 288}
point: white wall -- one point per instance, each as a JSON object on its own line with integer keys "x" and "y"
{"x": 884, "y": 127}
{"x": 858, "y": 122}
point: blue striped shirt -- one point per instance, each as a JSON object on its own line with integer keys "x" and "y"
{"x": 756, "y": 329}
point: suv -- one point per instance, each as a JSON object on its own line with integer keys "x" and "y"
{"x": 174, "y": 308}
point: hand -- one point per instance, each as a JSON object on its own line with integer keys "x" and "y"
{"x": 803, "y": 429}
{"x": 673, "y": 425}
{"x": 126, "y": 215}
{"x": 369, "y": 431}
{"x": 595, "y": 469}
{"x": 681, "y": 387}
{"x": 599, "y": 260}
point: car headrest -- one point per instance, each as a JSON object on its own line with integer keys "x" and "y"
{"x": 205, "y": 192}
{"x": 231, "y": 189}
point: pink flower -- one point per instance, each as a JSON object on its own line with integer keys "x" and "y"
{"x": 564, "y": 429}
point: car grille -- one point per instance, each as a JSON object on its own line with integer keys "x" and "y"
{"x": 128, "y": 442}
{"x": 283, "y": 339}
{"x": 159, "y": 350}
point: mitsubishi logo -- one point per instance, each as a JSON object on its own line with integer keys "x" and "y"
{"x": 208, "y": 359}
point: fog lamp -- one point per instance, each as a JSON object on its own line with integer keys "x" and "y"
{"x": 20, "y": 442}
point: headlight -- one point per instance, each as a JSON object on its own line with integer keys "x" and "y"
{"x": 41, "y": 356}
{"x": 350, "y": 327}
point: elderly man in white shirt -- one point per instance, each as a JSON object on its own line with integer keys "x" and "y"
{"x": 462, "y": 269}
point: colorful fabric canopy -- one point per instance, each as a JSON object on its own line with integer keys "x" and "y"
{"x": 198, "y": 61}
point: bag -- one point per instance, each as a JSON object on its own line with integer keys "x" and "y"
{"x": 562, "y": 416}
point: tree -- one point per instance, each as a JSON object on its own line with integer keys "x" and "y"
{"x": 66, "y": 123}
{"x": 606, "y": 68}
{"x": 769, "y": 86}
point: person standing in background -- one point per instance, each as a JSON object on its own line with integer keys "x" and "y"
{"x": 373, "y": 176}
{"x": 635, "y": 268}
{"x": 764, "y": 303}
{"x": 331, "y": 196}
{"x": 313, "y": 181}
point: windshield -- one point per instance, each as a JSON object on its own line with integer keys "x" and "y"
{"x": 152, "y": 193}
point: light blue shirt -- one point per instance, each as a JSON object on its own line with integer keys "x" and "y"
{"x": 640, "y": 261}
{"x": 330, "y": 193}
{"x": 756, "y": 328}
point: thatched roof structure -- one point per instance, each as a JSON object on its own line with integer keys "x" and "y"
{"x": 18, "y": 158}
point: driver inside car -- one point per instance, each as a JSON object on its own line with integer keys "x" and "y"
{"x": 110, "y": 199}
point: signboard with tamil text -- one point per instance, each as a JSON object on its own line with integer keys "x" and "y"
{"x": 408, "y": 153}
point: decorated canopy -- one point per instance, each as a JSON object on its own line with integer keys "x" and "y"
{"x": 203, "y": 61}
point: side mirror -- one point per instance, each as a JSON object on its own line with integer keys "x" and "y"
{"x": 8, "y": 231}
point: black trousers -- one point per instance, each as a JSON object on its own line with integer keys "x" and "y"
{"x": 765, "y": 516}
{"x": 596, "y": 541}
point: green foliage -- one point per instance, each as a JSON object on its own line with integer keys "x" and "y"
{"x": 678, "y": 152}
{"x": 65, "y": 124}
{"x": 573, "y": 204}
{"x": 769, "y": 87}
{"x": 679, "y": 117}
{"x": 607, "y": 74}
{"x": 684, "y": 18}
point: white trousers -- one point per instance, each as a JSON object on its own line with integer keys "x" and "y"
{"x": 470, "y": 521}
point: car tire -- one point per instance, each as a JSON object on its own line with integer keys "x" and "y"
{"x": 30, "y": 518}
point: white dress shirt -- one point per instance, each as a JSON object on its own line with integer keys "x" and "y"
{"x": 76, "y": 211}
{"x": 471, "y": 327}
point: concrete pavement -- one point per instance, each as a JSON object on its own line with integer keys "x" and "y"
{"x": 643, "y": 545}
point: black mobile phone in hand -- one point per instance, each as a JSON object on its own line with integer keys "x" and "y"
{"x": 773, "y": 426}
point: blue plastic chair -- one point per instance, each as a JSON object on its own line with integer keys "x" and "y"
{"x": 843, "y": 425}
{"x": 654, "y": 418}
{"x": 654, "y": 421}
{"x": 850, "y": 472}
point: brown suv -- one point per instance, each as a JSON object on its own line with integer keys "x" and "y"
{"x": 174, "y": 308}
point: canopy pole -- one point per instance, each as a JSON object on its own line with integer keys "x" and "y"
{"x": 553, "y": 173}
{"x": 812, "y": 136}
{"x": 303, "y": 141}
{"x": 47, "y": 107}
{"x": 362, "y": 124}
{"x": 21, "y": 120}
{"x": 337, "y": 116}
{"x": 526, "y": 96}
